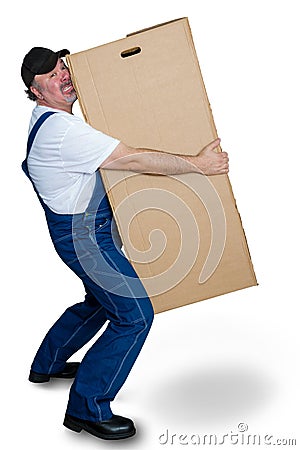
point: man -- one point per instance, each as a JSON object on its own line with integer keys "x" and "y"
{"x": 63, "y": 157}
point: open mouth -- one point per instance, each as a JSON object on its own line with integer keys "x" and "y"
{"x": 67, "y": 88}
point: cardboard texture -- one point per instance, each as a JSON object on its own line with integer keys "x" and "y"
{"x": 183, "y": 234}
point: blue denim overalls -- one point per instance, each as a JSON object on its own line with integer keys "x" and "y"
{"x": 88, "y": 243}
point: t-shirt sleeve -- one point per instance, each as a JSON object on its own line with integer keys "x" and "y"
{"x": 83, "y": 148}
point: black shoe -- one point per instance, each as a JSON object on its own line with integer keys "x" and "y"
{"x": 117, "y": 427}
{"x": 69, "y": 371}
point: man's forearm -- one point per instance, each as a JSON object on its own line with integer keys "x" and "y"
{"x": 139, "y": 160}
{"x": 159, "y": 163}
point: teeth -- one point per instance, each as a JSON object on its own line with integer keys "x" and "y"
{"x": 67, "y": 88}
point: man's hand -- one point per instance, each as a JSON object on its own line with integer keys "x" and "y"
{"x": 211, "y": 162}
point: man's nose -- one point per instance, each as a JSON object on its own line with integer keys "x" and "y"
{"x": 65, "y": 75}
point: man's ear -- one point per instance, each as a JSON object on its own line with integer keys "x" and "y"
{"x": 36, "y": 92}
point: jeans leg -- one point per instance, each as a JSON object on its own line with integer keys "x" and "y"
{"x": 108, "y": 362}
{"x": 76, "y": 326}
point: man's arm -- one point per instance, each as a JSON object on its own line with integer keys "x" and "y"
{"x": 207, "y": 162}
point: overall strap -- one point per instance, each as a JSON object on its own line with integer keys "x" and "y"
{"x": 32, "y": 135}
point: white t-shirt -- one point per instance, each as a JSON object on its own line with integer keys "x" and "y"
{"x": 63, "y": 160}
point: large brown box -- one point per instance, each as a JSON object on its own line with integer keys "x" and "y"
{"x": 183, "y": 234}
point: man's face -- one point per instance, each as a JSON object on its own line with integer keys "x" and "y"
{"x": 55, "y": 89}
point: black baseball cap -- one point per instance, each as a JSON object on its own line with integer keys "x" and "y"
{"x": 39, "y": 60}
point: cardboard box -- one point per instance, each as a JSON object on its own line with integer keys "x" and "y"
{"x": 183, "y": 234}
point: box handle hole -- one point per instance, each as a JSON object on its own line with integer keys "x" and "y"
{"x": 131, "y": 52}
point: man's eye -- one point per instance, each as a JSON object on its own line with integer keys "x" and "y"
{"x": 52, "y": 75}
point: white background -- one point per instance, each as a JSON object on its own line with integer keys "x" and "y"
{"x": 207, "y": 367}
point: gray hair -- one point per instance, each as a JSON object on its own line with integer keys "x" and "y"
{"x": 29, "y": 93}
